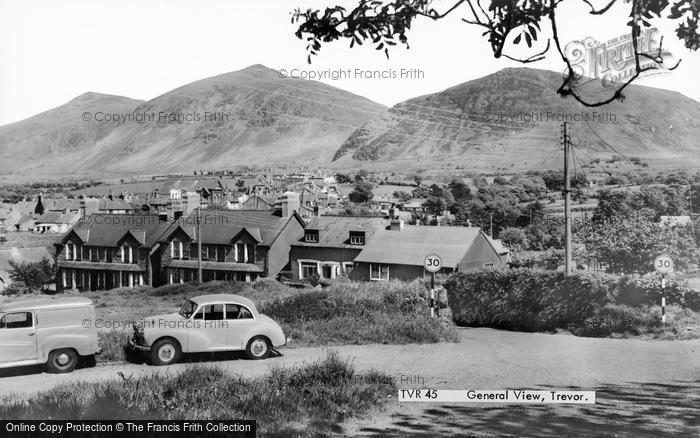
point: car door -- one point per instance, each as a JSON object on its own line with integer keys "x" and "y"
{"x": 209, "y": 332}
{"x": 17, "y": 337}
{"x": 240, "y": 323}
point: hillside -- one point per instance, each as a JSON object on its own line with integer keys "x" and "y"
{"x": 246, "y": 117}
{"x": 47, "y": 141}
{"x": 461, "y": 125}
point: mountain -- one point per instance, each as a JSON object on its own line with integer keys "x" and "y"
{"x": 247, "y": 117}
{"x": 32, "y": 144}
{"x": 512, "y": 120}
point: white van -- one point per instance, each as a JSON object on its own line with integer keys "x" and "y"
{"x": 57, "y": 332}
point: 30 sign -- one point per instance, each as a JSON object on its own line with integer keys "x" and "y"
{"x": 432, "y": 263}
{"x": 663, "y": 264}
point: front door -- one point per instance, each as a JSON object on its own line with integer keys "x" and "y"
{"x": 17, "y": 337}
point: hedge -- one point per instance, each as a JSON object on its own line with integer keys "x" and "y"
{"x": 536, "y": 300}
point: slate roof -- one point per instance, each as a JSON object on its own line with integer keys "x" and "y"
{"x": 411, "y": 245}
{"x": 334, "y": 231}
{"x": 56, "y": 217}
{"x": 109, "y": 229}
{"x": 221, "y": 226}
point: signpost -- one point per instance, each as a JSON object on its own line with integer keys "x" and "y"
{"x": 663, "y": 265}
{"x": 433, "y": 264}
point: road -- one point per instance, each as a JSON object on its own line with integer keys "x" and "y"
{"x": 483, "y": 359}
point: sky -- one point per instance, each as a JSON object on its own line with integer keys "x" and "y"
{"x": 52, "y": 51}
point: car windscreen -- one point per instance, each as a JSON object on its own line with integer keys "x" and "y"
{"x": 188, "y": 308}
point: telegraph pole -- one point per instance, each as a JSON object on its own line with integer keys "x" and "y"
{"x": 567, "y": 199}
{"x": 199, "y": 243}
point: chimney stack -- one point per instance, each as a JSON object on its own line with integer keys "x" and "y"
{"x": 289, "y": 203}
{"x": 396, "y": 224}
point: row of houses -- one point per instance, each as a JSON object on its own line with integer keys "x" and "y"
{"x": 107, "y": 251}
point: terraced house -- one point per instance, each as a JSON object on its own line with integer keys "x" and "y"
{"x": 237, "y": 245}
{"x": 108, "y": 251}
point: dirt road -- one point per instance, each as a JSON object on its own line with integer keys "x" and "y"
{"x": 483, "y": 359}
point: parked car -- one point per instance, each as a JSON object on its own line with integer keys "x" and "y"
{"x": 208, "y": 323}
{"x": 57, "y": 332}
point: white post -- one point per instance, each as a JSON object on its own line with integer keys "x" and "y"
{"x": 432, "y": 303}
{"x": 663, "y": 299}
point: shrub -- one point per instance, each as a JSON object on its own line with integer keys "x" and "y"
{"x": 522, "y": 299}
{"x": 615, "y": 318}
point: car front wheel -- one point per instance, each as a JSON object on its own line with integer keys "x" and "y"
{"x": 62, "y": 361}
{"x": 258, "y": 348}
{"x": 165, "y": 352}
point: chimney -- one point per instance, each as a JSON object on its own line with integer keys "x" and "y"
{"x": 289, "y": 203}
{"x": 396, "y": 224}
{"x": 316, "y": 210}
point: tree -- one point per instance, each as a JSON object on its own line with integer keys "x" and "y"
{"x": 401, "y": 195}
{"x": 342, "y": 178}
{"x": 514, "y": 238}
{"x": 506, "y": 23}
{"x": 362, "y": 193}
{"x": 630, "y": 244}
{"x": 460, "y": 190}
{"x": 35, "y": 275}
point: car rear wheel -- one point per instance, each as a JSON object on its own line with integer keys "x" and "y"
{"x": 258, "y": 348}
{"x": 165, "y": 352}
{"x": 62, "y": 361}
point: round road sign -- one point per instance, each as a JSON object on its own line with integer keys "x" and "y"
{"x": 432, "y": 263}
{"x": 663, "y": 264}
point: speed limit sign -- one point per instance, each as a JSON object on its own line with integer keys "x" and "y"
{"x": 663, "y": 264}
{"x": 432, "y": 263}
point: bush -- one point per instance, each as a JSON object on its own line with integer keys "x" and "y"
{"x": 522, "y": 299}
{"x": 614, "y": 318}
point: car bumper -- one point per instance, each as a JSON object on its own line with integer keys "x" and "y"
{"x": 133, "y": 346}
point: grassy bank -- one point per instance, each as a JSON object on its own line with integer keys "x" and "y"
{"x": 346, "y": 313}
{"x": 310, "y": 400}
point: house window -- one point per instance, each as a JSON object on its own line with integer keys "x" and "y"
{"x": 127, "y": 254}
{"x": 70, "y": 251}
{"x": 357, "y": 238}
{"x": 378, "y": 272}
{"x": 308, "y": 269}
{"x": 347, "y": 267}
{"x": 205, "y": 252}
{"x": 311, "y": 236}
{"x": 242, "y": 254}
{"x": 250, "y": 253}
{"x": 176, "y": 249}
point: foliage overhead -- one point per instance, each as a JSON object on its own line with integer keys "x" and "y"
{"x": 504, "y": 22}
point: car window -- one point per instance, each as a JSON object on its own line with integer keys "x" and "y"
{"x": 200, "y": 313}
{"x": 214, "y": 312}
{"x": 244, "y": 313}
{"x": 17, "y": 320}
{"x": 232, "y": 311}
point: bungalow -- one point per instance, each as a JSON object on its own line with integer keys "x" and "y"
{"x": 400, "y": 251}
{"x": 107, "y": 251}
{"x": 329, "y": 245}
{"x": 55, "y": 221}
{"x": 237, "y": 245}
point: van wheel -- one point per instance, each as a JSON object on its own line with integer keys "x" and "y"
{"x": 62, "y": 361}
{"x": 258, "y": 348}
{"x": 165, "y": 352}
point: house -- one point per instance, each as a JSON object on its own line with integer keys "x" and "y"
{"x": 329, "y": 245}
{"x": 258, "y": 202}
{"x": 56, "y": 221}
{"x": 237, "y": 245}
{"x": 107, "y": 251}
{"x": 399, "y": 252}
{"x": 19, "y": 255}
{"x": 24, "y": 223}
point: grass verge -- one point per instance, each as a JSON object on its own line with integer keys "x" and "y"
{"x": 309, "y": 400}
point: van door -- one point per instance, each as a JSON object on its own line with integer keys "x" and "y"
{"x": 17, "y": 337}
